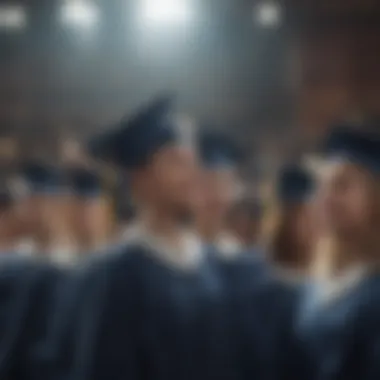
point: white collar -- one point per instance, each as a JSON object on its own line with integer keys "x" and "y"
{"x": 65, "y": 255}
{"x": 331, "y": 289}
{"x": 228, "y": 245}
{"x": 187, "y": 257}
{"x": 25, "y": 247}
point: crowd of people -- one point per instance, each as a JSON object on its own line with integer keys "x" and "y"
{"x": 53, "y": 212}
{"x": 201, "y": 281}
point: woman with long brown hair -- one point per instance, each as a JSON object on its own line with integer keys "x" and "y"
{"x": 338, "y": 323}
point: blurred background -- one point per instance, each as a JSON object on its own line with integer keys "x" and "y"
{"x": 275, "y": 74}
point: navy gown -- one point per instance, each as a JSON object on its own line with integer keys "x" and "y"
{"x": 340, "y": 340}
{"x": 262, "y": 308}
{"x": 266, "y": 322}
{"x": 27, "y": 297}
{"x": 130, "y": 316}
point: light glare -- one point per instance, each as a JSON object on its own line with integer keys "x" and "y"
{"x": 268, "y": 14}
{"x": 79, "y": 14}
{"x": 12, "y": 17}
{"x": 165, "y": 12}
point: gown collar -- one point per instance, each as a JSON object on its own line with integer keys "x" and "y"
{"x": 187, "y": 257}
{"x": 228, "y": 245}
{"x": 331, "y": 289}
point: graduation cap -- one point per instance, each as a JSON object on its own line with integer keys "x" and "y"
{"x": 85, "y": 183}
{"x": 41, "y": 178}
{"x": 136, "y": 139}
{"x": 294, "y": 184}
{"x": 217, "y": 150}
{"x": 357, "y": 146}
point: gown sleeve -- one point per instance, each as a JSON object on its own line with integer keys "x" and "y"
{"x": 291, "y": 355}
{"x": 30, "y": 288}
{"x": 370, "y": 346}
{"x": 95, "y": 336}
{"x": 39, "y": 303}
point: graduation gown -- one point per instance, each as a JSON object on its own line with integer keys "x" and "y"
{"x": 264, "y": 322}
{"x": 262, "y": 307}
{"x": 27, "y": 296}
{"x": 129, "y": 315}
{"x": 339, "y": 337}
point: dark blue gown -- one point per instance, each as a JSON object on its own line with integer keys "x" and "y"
{"x": 262, "y": 307}
{"x": 130, "y": 316}
{"x": 261, "y": 313}
{"x": 265, "y": 323}
{"x": 27, "y": 296}
{"x": 340, "y": 340}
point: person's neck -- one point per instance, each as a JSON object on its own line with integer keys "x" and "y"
{"x": 208, "y": 230}
{"x": 349, "y": 253}
{"x": 161, "y": 223}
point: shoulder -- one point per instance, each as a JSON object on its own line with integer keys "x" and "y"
{"x": 369, "y": 299}
{"x": 107, "y": 266}
{"x": 15, "y": 268}
{"x": 247, "y": 263}
{"x": 122, "y": 257}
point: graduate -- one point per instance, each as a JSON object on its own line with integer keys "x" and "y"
{"x": 218, "y": 190}
{"x": 288, "y": 231}
{"x": 28, "y": 295}
{"x": 338, "y": 322}
{"x": 270, "y": 310}
{"x": 38, "y": 188}
{"x": 90, "y": 219}
{"x": 265, "y": 313}
{"x": 154, "y": 307}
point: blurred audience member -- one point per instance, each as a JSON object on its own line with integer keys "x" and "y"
{"x": 219, "y": 187}
{"x": 288, "y": 234}
{"x": 244, "y": 221}
{"x": 338, "y": 320}
{"x": 90, "y": 209}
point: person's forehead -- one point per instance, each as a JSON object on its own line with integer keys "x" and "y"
{"x": 337, "y": 167}
{"x": 221, "y": 174}
{"x": 177, "y": 150}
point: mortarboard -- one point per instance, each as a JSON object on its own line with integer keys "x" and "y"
{"x": 41, "y": 178}
{"x": 217, "y": 150}
{"x": 357, "y": 146}
{"x": 294, "y": 184}
{"x": 135, "y": 139}
{"x": 84, "y": 183}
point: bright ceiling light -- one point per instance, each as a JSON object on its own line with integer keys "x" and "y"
{"x": 268, "y": 14}
{"x": 12, "y": 17}
{"x": 166, "y": 12}
{"x": 79, "y": 14}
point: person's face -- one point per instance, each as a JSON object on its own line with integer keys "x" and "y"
{"x": 216, "y": 191}
{"x": 342, "y": 199}
{"x": 171, "y": 177}
{"x": 28, "y": 210}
